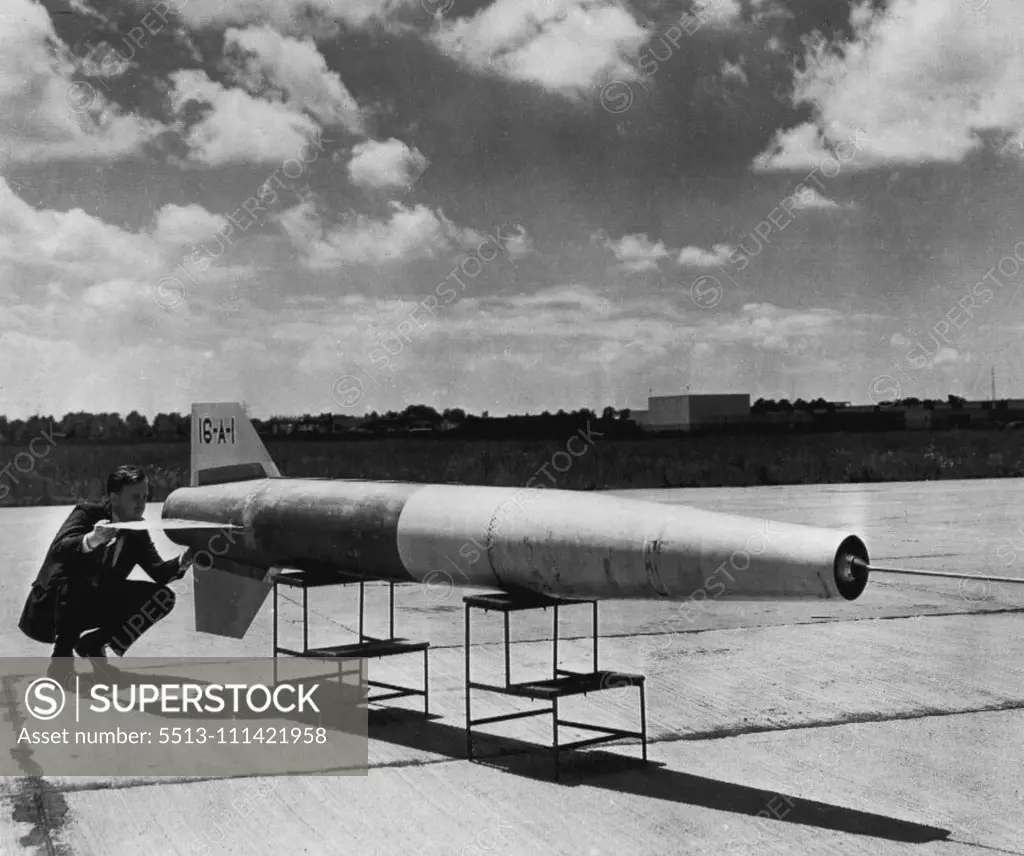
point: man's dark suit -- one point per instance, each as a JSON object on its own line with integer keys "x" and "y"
{"x": 75, "y": 590}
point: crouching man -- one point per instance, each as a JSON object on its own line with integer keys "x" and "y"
{"x": 82, "y": 601}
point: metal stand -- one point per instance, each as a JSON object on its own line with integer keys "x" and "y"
{"x": 367, "y": 647}
{"x": 563, "y": 683}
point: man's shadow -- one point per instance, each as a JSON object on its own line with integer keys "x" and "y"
{"x": 595, "y": 768}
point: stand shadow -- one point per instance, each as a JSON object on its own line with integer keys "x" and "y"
{"x": 629, "y": 775}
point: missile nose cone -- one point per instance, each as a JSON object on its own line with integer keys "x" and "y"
{"x": 851, "y": 568}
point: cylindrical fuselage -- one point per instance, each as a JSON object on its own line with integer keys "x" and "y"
{"x": 561, "y": 543}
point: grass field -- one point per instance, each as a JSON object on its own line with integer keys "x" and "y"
{"x": 71, "y": 470}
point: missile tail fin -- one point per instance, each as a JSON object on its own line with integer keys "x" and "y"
{"x": 225, "y": 446}
{"x": 229, "y": 596}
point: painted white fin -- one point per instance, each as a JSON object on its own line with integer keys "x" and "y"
{"x": 225, "y": 446}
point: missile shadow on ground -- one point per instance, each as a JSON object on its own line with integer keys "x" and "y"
{"x": 627, "y": 775}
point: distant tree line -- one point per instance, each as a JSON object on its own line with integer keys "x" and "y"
{"x": 419, "y": 420}
{"x": 96, "y": 426}
{"x": 819, "y": 405}
{"x": 416, "y": 420}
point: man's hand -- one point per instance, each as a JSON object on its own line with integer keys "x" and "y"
{"x": 101, "y": 534}
{"x": 184, "y": 562}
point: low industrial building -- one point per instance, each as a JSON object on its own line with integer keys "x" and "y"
{"x": 692, "y": 412}
{"x": 667, "y": 413}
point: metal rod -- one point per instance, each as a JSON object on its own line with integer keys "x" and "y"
{"x": 554, "y": 732}
{"x": 554, "y": 644}
{"x": 508, "y": 661}
{"x": 469, "y": 719}
{"x": 857, "y": 563}
{"x": 643, "y": 720}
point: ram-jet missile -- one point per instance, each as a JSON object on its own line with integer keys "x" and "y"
{"x": 559, "y": 543}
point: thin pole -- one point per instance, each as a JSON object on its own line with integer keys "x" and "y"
{"x": 469, "y": 719}
{"x": 857, "y": 563}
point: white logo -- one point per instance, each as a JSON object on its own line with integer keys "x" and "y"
{"x": 45, "y": 698}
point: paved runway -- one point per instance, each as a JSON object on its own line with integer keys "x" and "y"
{"x": 890, "y": 725}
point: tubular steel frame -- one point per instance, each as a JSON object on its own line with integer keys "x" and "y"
{"x": 368, "y": 647}
{"x": 562, "y": 684}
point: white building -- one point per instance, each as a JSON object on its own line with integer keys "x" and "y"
{"x": 686, "y": 412}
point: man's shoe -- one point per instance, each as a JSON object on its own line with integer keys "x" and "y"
{"x": 91, "y": 647}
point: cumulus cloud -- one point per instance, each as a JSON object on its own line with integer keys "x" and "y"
{"x": 297, "y": 71}
{"x": 945, "y": 77}
{"x": 236, "y": 127}
{"x": 599, "y": 329}
{"x": 390, "y": 164}
{"x": 292, "y": 16}
{"x": 637, "y": 253}
{"x": 809, "y": 147}
{"x": 810, "y": 198}
{"x": 733, "y": 71}
{"x": 564, "y": 46}
{"x": 949, "y": 356}
{"x": 519, "y": 245}
{"x": 178, "y": 225}
{"x": 717, "y": 13}
{"x": 773, "y": 328}
{"x": 73, "y": 284}
{"x": 61, "y": 250}
{"x": 696, "y": 257}
{"x": 80, "y": 283}
{"x": 410, "y": 233}
{"x": 573, "y": 312}
{"x": 67, "y": 244}
{"x": 48, "y": 113}
{"x": 83, "y": 8}
{"x": 104, "y": 62}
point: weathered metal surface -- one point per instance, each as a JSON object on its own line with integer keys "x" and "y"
{"x": 577, "y": 544}
{"x": 295, "y": 523}
{"x": 553, "y": 542}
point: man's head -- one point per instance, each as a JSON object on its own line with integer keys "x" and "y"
{"x": 127, "y": 491}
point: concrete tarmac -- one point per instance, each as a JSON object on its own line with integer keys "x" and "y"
{"x": 892, "y": 724}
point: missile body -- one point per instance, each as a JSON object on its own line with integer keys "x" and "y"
{"x": 552, "y": 542}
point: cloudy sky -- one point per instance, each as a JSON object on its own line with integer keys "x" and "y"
{"x": 513, "y": 206}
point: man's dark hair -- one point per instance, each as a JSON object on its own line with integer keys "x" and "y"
{"x": 124, "y": 476}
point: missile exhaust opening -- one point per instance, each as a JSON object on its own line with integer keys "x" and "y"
{"x": 851, "y": 564}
